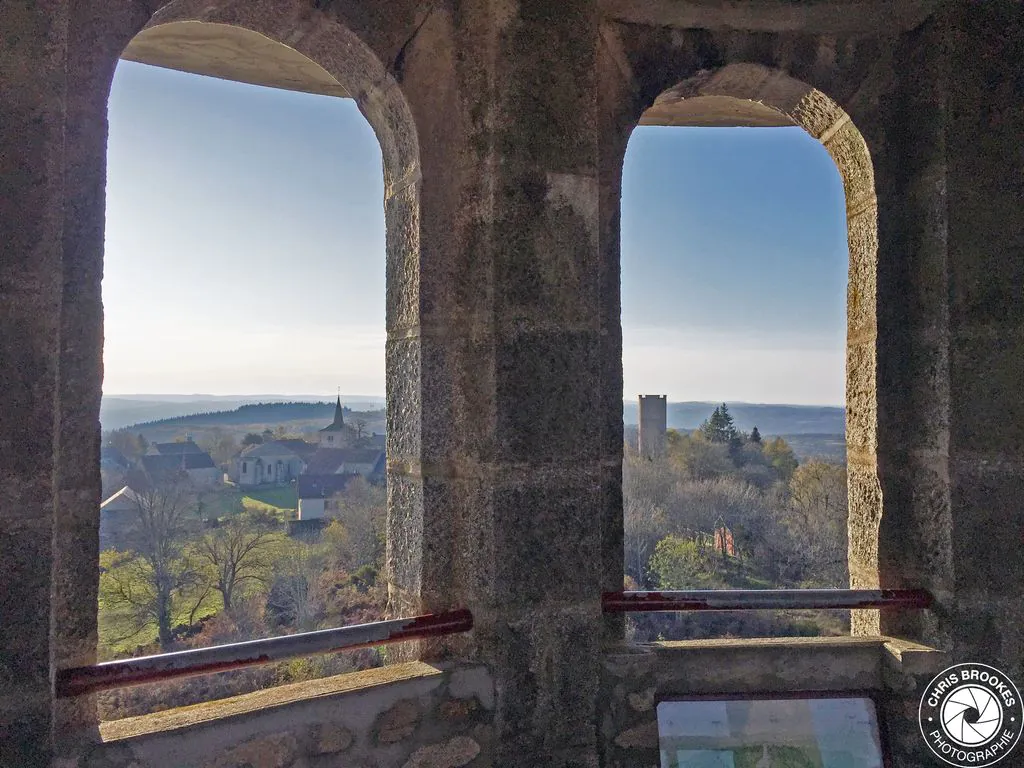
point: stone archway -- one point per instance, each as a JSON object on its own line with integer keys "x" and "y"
{"x": 756, "y": 96}
{"x": 292, "y": 46}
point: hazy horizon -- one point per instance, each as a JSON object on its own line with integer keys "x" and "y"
{"x": 185, "y": 397}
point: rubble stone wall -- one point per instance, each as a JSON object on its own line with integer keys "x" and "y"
{"x": 410, "y": 715}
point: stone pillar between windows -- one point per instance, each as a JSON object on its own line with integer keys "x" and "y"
{"x": 32, "y": 87}
{"x": 508, "y": 361}
{"x": 99, "y": 35}
{"x": 984, "y": 185}
{"x": 912, "y": 338}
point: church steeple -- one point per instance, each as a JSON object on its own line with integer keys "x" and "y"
{"x": 336, "y": 434}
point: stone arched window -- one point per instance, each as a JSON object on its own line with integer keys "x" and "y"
{"x": 753, "y": 95}
{"x": 285, "y": 45}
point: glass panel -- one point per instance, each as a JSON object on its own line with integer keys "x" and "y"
{"x": 770, "y": 733}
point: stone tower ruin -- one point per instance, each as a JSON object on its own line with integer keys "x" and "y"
{"x": 653, "y": 425}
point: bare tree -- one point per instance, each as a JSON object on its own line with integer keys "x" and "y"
{"x": 131, "y": 446}
{"x": 163, "y": 506}
{"x": 643, "y": 526}
{"x": 816, "y": 520}
{"x": 221, "y": 445}
{"x": 236, "y": 554}
{"x": 362, "y": 511}
{"x": 296, "y": 596}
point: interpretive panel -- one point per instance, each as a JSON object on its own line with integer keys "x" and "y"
{"x": 769, "y": 733}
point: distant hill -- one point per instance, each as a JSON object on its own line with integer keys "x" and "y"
{"x": 296, "y": 418}
{"x": 118, "y": 411}
{"x": 251, "y": 413}
{"x": 830, "y": 447}
{"x": 810, "y": 429}
{"x": 769, "y": 419}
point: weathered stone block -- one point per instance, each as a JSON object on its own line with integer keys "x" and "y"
{"x": 547, "y": 533}
{"x": 25, "y": 547}
{"x": 642, "y": 701}
{"x": 473, "y": 682}
{"x": 404, "y": 543}
{"x": 456, "y": 711}
{"x": 451, "y": 754}
{"x": 398, "y": 723}
{"x": 861, "y": 398}
{"x": 401, "y": 212}
{"x": 817, "y": 113}
{"x": 988, "y": 529}
{"x": 847, "y": 148}
{"x": 457, "y": 381}
{"x": 276, "y": 751}
{"x": 865, "y": 502}
{"x": 986, "y": 376}
{"x": 545, "y": 260}
{"x": 643, "y": 736}
{"x": 862, "y": 290}
{"x": 549, "y": 660}
{"x": 546, "y": 385}
{"x": 404, "y": 404}
{"x": 332, "y": 737}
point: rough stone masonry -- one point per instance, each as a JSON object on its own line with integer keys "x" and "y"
{"x": 503, "y": 126}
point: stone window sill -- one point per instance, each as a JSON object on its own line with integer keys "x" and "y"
{"x": 261, "y": 702}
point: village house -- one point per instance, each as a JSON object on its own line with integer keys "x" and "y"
{"x": 333, "y": 465}
{"x": 187, "y": 457}
{"x": 328, "y": 474}
{"x": 277, "y": 462}
{"x": 319, "y": 495}
{"x": 117, "y": 515}
{"x": 113, "y": 460}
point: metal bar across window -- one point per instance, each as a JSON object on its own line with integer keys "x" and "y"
{"x": 220, "y": 658}
{"x": 763, "y": 599}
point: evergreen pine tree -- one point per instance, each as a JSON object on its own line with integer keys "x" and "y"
{"x": 719, "y": 427}
{"x": 710, "y": 425}
{"x": 755, "y": 436}
{"x": 727, "y": 429}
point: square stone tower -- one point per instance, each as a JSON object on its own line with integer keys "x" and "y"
{"x": 653, "y": 425}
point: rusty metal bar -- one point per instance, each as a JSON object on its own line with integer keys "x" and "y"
{"x": 220, "y": 658}
{"x": 763, "y": 599}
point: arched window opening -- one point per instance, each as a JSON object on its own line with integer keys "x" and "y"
{"x": 739, "y": 232}
{"x": 245, "y": 259}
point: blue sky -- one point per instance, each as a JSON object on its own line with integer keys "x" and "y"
{"x": 245, "y": 251}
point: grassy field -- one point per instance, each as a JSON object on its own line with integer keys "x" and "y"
{"x": 230, "y": 500}
{"x": 116, "y": 624}
{"x": 276, "y": 499}
{"x": 118, "y": 637}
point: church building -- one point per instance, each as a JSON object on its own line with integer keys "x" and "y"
{"x": 337, "y": 434}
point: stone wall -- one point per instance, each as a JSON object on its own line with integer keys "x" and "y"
{"x": 407, "y": 716}
{"x": 417, "y": 715}
{"x": 503, "y": 128}
{"x": 984, "y": 185}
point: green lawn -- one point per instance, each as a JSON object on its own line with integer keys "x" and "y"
{"x": 278, "y": 498}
